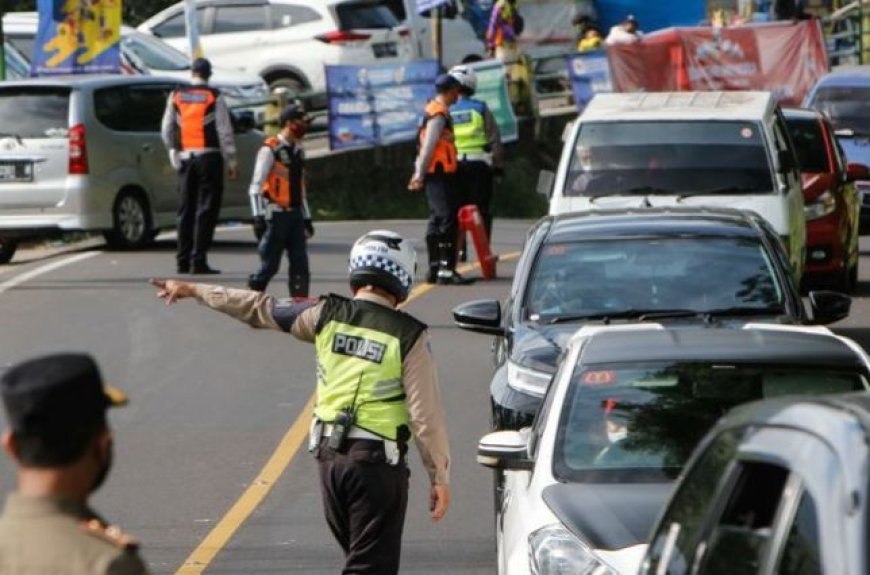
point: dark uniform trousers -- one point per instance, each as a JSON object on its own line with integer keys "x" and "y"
{"x": 201, "y": 184}
{"x": 443, "y": 226}
{"x": 285, "y": 231}
{"x": 475, "y": 182}
{"x": 364, "y": 499}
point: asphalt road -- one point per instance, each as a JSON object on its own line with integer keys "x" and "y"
{"x": 212, "y": 401}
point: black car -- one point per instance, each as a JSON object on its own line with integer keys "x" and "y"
{"x": 669, "y": 265}
{"x": 778, "y": 486}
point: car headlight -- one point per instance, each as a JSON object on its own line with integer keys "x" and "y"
{"x": 825, "y": 204}
{"x": 553, "y": 550}
{"x": 528, "y": 380}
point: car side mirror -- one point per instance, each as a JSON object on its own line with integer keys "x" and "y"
{"x": 243, "y": 121}
{"x": 505, "y": 450}
{"x": 855, "y": 172}
{"x": 829, "y": 306}
{"x": 481, "y": 316}
{"x": 786, "y": 161}
{"x": 546, "y": 178}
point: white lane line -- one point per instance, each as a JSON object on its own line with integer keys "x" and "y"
{"x": 27, "y": 276}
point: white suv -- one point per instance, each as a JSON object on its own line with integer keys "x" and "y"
{"x": 287, "y": 42}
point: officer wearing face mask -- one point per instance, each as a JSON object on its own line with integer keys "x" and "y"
{"x": 61, "y": 445}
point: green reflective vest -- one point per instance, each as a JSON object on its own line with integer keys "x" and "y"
{"x": 361, "y": 347}
{"x": 469, "y": 126}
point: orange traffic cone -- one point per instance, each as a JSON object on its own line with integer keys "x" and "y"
{"x": 471, "y": 221}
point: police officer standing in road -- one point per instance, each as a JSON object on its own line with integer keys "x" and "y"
{"x": 198, "y": 133}
{"x": 60, "y": 442}
{"x": 278, "y": 204}
{"x": 435, "y": 171}
{"x": 478, "y": 145}
{"x": 376, "y": 387}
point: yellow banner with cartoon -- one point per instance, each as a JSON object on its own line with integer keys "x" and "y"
{"x": 77, "y": 37}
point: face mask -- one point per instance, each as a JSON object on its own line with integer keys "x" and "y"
{"x": 298, "y": 129}
{"x": 619, "y": 435}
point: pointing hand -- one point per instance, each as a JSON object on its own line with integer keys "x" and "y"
{"x": 173, "y": 290}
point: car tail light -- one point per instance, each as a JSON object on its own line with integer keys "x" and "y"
{"x": 78, "y": 150}
{"x": 341, "y": 36}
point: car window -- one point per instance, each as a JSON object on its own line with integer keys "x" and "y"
{"x": 230, "y": 19}
{"x": 809, "y": 141}
{"x": 681, "y": 528}
{"x": 286, "y": 15}
{"x": 842, "y": 163}
{"x": 175, "y": 27}
{"x": 543, "y": 414}
{"x": 848, "y": 107}
{"x": 154, "y": 53}
{"x": 619, "y": 157}
{"x": 113, "y": 105}
{"x": 741, "y": 538}
{"x": 801, "y": 554}
{"x": 17, "y": 66}
{"x": 362, "y": 15}
{"x": 640, "y": 422}
{"x": 34, "y": 112}
{"x": 697, "y": 273}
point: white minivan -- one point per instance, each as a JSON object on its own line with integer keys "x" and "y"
{"x": 722, "y": 149}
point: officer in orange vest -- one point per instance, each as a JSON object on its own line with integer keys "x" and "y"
{"x": 198, "y": 133}
{"x": 278, "y": 197}
{"x": 435, "y": 171}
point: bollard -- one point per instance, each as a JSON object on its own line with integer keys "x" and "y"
{"x": 471, "y": 221}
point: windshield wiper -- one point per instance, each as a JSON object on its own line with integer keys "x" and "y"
{"x": 646, "y": 190}
{"x": 748, "y": 310}
{"x": 641, "y": 314}
{"x": 722, "y": 190}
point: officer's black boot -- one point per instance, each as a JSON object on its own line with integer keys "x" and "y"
{"x": 432, "y": 249}
{"x": 446, "y": 259}
{"x": 299, "y": 285}
{"x": 256, "y": 285}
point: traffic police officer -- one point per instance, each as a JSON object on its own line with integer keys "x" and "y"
{"x": 60, "y": 442}
{"x": 198, "y": 133}
{"x": 478, "y": 145}
{"x": 376, "y": 387}
{"x": 435, "y": 170}
{"x": 278, "y": 200}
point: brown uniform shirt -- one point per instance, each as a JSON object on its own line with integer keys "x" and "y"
{"x": 42, "y": 535}
{"x": 423, "y": 395}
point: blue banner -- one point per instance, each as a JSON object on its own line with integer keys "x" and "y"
{"x": 424, "y": 6}
{"x": 590, "y": 74}
{"x": 377, "y": 104}
{"x": 77, "y": 37}
{"x": 651, "y": 15}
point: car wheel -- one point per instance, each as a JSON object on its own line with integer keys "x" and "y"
{"x": 7, "y": 250}
{"x": 131, "y": 221}
{"x": 291, "y": 83}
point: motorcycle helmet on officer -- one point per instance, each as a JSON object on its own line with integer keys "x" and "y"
{"x": 466, "y": 78}
{"x": 385, "y": 260}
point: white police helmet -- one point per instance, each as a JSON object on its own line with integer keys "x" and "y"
{"x": 383, "y": 259}
{"x": 465, "y": 76}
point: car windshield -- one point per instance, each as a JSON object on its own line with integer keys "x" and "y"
{"x": 699, "y": 273}
{"x": 620, "y": 157}
{"x": 154, "y": 53}
{"x": 809, "y": 142}
{"x": 623, "y": 423}
{"x": 848, "y": 107}
{"x": 34, "y": 112}
{"x": 364, "y": 15}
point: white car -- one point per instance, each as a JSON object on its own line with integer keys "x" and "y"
{"x": 288, "y": 42}
{"x": 146, "y": 54}
{"x": 459, "y": 42}
{"x": 583, "y": 487}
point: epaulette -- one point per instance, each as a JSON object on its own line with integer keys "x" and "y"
{"x": 109, "y": 533}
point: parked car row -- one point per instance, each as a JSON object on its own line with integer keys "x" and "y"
{"x": 642, "y": 311}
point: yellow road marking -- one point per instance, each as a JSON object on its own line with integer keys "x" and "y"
{"x": 219, "y": 536}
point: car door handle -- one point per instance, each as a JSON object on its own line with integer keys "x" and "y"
{"x": 146, "y": 147}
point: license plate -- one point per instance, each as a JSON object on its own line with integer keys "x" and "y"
{"x": 385, "y": 49}
{"x": 16, "y": 171}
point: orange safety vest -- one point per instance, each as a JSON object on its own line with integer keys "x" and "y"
{"x": 445, "y": 149}
{"x": 195, "y": 115}
{"x": 283, "y": 181}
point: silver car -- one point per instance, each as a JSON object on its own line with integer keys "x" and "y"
{"x": 84, "y": 153}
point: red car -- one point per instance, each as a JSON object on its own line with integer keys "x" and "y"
{"x": 831, "y": 202}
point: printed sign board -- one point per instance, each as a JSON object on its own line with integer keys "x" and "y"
{"x": 77, "y": 37}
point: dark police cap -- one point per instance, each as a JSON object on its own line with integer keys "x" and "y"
{"x": 56, "y": 392}
{"x": 201, "y": 66}
{"x": 292, "y": 112}
{"x": 445, "y": 82}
